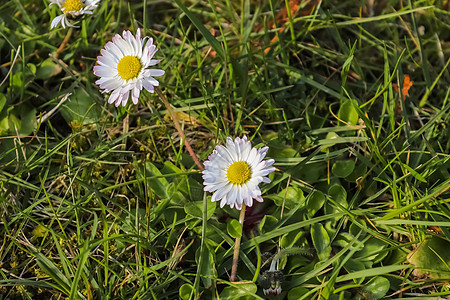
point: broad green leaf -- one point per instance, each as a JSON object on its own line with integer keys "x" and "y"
{"x": 372, "y": 250}
{"x": 234, "y": 228}
{"x": 151, "y": 173}
{"x": 432, "y": 258}
{"x": 321, "y": 241}
{"x": 296, "y": 292}
{"x": 17, "y": 79}
{"x": 195, "y": 209}
{"x": 348, "y": 113}
{"x": 339, "y": 194}
{"x": 289, "y": 240}
{"x": 32, "y": 68}
{"x": 377, "y": 287}
{"x": 291, "y": 197}
{"x": 360, "y": 170}
{"x": 48, "y": 69}
{"x": 315, "y": 202}
{"x": 80, "y": 107}
{"x": 343, "y": 168}
{"x": 352, "y": 265}
{"x": 206, "y": 264}
{"x": 185, "y": 291}
{"x": 240, "y": 291}
{"x": 2, "y": 101}
{"x": 267, "y": 223}
{"x": 27, "y": 115}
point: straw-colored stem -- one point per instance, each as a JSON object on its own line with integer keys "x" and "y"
{"x": 237, "y": 245}
{"x": 178, "y": 128}
{"x": 64, "y": 42}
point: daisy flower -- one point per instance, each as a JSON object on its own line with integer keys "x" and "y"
{"x": 234, "y": 171}
{"x": 123, "y": 67}
{"x": 72, "y": 8}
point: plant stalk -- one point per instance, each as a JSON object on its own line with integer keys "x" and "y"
{"x": 237, "y": 245}
{"x": 176, "y": 122}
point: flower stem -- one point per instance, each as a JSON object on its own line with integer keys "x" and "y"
{"x": 237, "y": 244}
{"x": 64, "y": 42}
{"x": 163, "y": 98}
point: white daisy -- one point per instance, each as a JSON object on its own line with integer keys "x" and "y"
{"x": 234, "y": 172}
{"x": 72, "y": 8}
{"x": 123, "y": 67}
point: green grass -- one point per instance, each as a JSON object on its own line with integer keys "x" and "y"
{"x": 98, "y": 202}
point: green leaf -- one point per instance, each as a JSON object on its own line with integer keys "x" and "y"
{"x": 48, "y": 69}
{"x": 17, "y": 79}
{"x": 432, "y": 258}
{"x": 296, "y": 292}
{"x": 195, "y": 209}
{"x": 27, "y": 115}
{"x": 360, "y": 170}
{"x": 343, "y": 168}
{"x": 321, "y": 241}
{"x": 81, "y": 107}
{"x": 372, "y": 250}
{"x": 289, "y": 240}
{"x": 267, "y": 223}
{"x": 377, "y": 287}
{"x": 32, "y": 68}
{"x": 207, "y": 265}
{"x": 315, "y": 202}
{"x": 152, "y": 173}
{"x": 339, "y": 194}
{"x": 2, "y": 101}
{"x": 291, "y": 197}
{"x": 414, "y": 173}
{"x": 49, "y": 268}
{"x": 185, "y": 291}
{"x": 372, "y": 272}
{"x": 240, "y": 291}
{"x": 234, "y": 228}
{"x": 352, "y": 265}
{"x": 348, "y": 113}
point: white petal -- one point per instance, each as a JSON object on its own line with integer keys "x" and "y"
{"x": 156, "y": 72}
{"x": 114, "y": 95}
{"x": 102, "y": 71}
{"x": 232, "y": 195}
{"x": 55, "y": 21}
{"x": 135, "y": 95}
{"x": 148, "y": 86}
{"x": 223, "y": 202}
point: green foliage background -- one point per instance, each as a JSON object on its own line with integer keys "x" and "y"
{"x": 104, "y": 203}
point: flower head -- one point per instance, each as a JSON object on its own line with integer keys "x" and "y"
{"x": 72, "y": 8}
{"x": 233, "y": 172}
{"x": 123, "y": 67}
{"x": 271, "y": 281}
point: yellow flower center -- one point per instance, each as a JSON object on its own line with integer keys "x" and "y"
{"x": 129, "y": 67}
{"x": 72, "y": 5}
{"x": 239, "y": 172}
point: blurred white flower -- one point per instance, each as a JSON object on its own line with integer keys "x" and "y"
{"x": 234, "y": 172}
{"x": 72, "y": 8}
{"x": 123, "y": 67}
